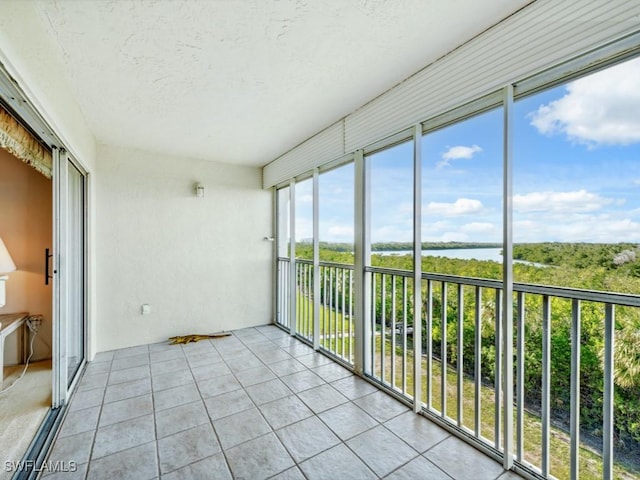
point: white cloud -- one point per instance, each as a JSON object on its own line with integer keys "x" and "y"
{"x": 458, "y": 152}
{"x": 586, "y": 228}
{"x": 599, "y": 109}
{"x": 578, "y": 201}
{"x": 462, "y": 206}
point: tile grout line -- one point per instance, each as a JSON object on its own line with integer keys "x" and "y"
{"x": 155, "y": 425}
{"x": 95, "y": 433}
{"x": 215, "y": 432}
{"x": 314, "y": 414}
{"x": 272, "y": 430}
{"x": 261, "y": 351}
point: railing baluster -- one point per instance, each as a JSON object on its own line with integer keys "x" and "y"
{"x": 279, "y": 294}
{"x": 319, "y": 303}
{"x": 498, "y": 370}
{"x": 477, "y": 345}
{"x": 393, "y": 331}
{"x": 342, "y": 310}
{"x": 335, "y": 303}
{"x": 383, "y": 322}
{"x": 304, "y": 329}
{"x": 460, "y": 357}
{"x": 546, "y": 374}
{"x": 338, "y": 309}
{"x": 327, "y": 308}
{"x": 320, "y": 310}
{"x": 607, "y": 404}
{"x": 298, "y": 303}
{"x": 332, "y": 313}
{"x": 313, "y": 312}
{"x": 429, "y": 342}
{"x": 285, "y": 303}
{"x": 306, "y": 300}
{"x": 309, "y": 298}
{"x": 312, "y": 300}
{"x": 350, "y": 316}
{"x": 404, "y": 334}
{"x": 334, "y": 309}
{"x": 443, "y": 352}
{"x": 289, "y": 311}
{"x": 520, "y": 377}
{"x": 373, "y": 323}
{"x": 575, "y": 388}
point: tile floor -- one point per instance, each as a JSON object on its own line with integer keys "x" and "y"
{"x": 257, "y": 404}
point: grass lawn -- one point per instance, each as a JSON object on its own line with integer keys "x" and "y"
{"x": 336, "y": 332}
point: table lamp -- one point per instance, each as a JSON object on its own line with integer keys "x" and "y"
{"x": 6, "y": 266}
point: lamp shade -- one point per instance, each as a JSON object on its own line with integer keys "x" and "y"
{"x": 6, "y": 262}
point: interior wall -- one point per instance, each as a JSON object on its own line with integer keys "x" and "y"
{"x": 26, "y": 229}
{"x": 202, "y": 264}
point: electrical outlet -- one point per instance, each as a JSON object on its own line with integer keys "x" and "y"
{"x": 34, "y": 322}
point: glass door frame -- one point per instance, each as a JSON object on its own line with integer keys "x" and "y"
{"x": 63, "y": 386}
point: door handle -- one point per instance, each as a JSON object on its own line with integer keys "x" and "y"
{"x": 47, "y": 256}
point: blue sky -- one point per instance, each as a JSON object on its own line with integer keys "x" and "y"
{"x": 576, "y": 173}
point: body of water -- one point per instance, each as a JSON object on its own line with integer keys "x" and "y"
{"x": 493, "y": 254}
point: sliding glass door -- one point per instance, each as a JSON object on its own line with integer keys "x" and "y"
{"x": 70, "y": 274}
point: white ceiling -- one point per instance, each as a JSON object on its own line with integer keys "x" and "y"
{"x": 243, "y": 81}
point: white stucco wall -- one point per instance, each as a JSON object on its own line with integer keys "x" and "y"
{"x": 26, "y": 52}
{"x": 202, "y": 264}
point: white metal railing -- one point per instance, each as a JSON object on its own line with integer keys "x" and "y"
{"x": 462, "y": 371}
{"x": 391, "y": 346}
{"x": 336, "y": 305}
{"x": 336, "y": 310}
{"x": 283, "y": 293}
{"x": 461, "y": 354}
{"x": 304, "y": 299}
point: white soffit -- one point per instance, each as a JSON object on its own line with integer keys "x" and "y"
{"x": 536, "y": 37}
{"x": 243, "y": 81}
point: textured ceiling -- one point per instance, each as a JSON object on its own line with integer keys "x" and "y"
{"x": 243, "y": 81}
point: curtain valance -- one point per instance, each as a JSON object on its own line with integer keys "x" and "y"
{"x": 18, "y": 141}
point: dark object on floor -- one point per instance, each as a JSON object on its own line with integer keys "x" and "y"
{"x": 184, "y": 339}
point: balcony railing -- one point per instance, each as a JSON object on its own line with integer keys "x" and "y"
{"x": 335, "y": 306}
{"x": 461, "y": 358}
